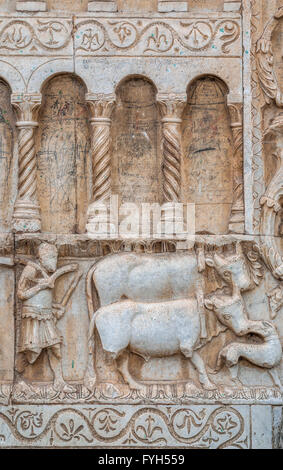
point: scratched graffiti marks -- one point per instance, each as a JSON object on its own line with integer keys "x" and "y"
{"x": 7, "y": 132}
{"x": 136, "y": 165}
{"x": 208, "y": 156}
{"x": 63, "y": 158}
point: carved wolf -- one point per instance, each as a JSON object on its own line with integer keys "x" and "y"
{"x": 231, "y": 311}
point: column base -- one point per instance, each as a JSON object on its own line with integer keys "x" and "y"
{"x": 26, "y": 217}
{"x": 31, "y": 6}
{"x": 167, "y": 7}
{"x": 237, "y": 222}
{"x": 232, "y": 6}
{"x": 102, "y": 6}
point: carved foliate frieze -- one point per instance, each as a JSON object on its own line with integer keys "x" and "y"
{"x": 265, "y": 61}
{"x": 127, "y": 426}
{"x": 147, "y": 339}
{"x": 35, "y": 36}
{"x": 219, "y": 37}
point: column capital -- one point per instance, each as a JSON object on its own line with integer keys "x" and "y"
{"x": 27, "y": 107}
{"x": 236, "y": 114}
{"x": 101, "y": 106}
{"x": 171, "y": 106}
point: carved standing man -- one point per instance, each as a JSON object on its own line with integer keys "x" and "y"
{"x": 40, "y": 313}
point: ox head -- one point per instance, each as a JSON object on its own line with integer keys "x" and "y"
{"x": 233, "y": 269}
{"x": 230, "y": 311}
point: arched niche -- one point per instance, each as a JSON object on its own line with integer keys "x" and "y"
{"x": 136, "y": 164}
{"x": 208, "y": 155}
{"x": 63, "y": 157}
{"x": 7, "y": 138}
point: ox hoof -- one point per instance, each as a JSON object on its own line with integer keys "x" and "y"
{"x": 209, "y": 386}
{"x": 89, "y": 383}
{"x": 137, "y": 387}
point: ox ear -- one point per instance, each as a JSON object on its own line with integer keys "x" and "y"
{"x": 208, "y": 304}
{"x": 210, "y": 262}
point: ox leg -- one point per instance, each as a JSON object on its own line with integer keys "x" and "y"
{"x": 275, "y": 377}
{"x": 123, "y": 367}
{"x": 203, "y": 377}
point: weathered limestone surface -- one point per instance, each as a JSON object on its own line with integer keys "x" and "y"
{"x": 137, "y": 335}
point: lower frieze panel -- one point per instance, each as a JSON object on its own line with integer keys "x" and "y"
{"x": 137, "y": 426}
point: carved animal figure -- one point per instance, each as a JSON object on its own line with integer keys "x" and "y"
{"x": 231, "y": 312}
{"x": 151, "y": 278}
{"x": 155, "y": 278}
{"x": 237, "y": 269}
{"x": 150, "y": 330}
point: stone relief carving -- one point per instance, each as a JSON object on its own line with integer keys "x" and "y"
{"x": 34, "y": 35}
{"x": 171, "y": 37}
{"x": 27, "y": 210}
{"x": 140, "y": 342}
{"x": 267, "y": 77}
{"x": 271, "y": 205}
{"x": 40, "y": 314}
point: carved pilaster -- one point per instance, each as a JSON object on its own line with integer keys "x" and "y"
{"x": 237, "y": 220}
{"x": 171, "y": 107}
{"x": 271, "y": 206}
{"x": 27, "y": 210}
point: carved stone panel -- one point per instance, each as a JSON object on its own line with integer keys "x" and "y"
{"x": 136, "y": 338}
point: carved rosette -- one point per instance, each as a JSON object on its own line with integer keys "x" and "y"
{"x": 171, "y": 107}
{"x": 237, "y": 220}
{"x": 27, "y": 211}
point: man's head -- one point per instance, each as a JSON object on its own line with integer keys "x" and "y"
{"x": 48, "y": 256}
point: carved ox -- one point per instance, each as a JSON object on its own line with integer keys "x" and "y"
{"x": 150, "y": 330}
{"x": 152, "y": 278}
{"x": 160, "y": 279}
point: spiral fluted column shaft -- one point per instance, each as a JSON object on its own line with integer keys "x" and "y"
{"x": 101, "y": 107}
{"x": 27, "y": 211}
{"x": 171, "y": 160}
{"x": 27, "y": 164}
{"x": 171, "y": 107}
{"x": 101, "y": 159}
{"x": 237, "y": 218}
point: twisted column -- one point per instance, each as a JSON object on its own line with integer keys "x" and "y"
{"x": 27, "y": 210}
{"x": 101, "y": 107}
{"x": 237, "y": 219}
{"x": 171, "y": 107}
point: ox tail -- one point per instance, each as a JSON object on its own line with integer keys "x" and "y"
{"x": 91, "y": 292}
{"x": 93, "y": 305}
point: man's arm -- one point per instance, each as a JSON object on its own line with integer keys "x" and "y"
{"x": 29, "y": 275}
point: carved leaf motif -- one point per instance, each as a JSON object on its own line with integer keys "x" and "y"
{"x": 192, "y": 419}
{"x": 160, "y": 39}
{"x": 16, "y": 35}
{"x": 231, "y": 32}
{"x": 226, "y": 424}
